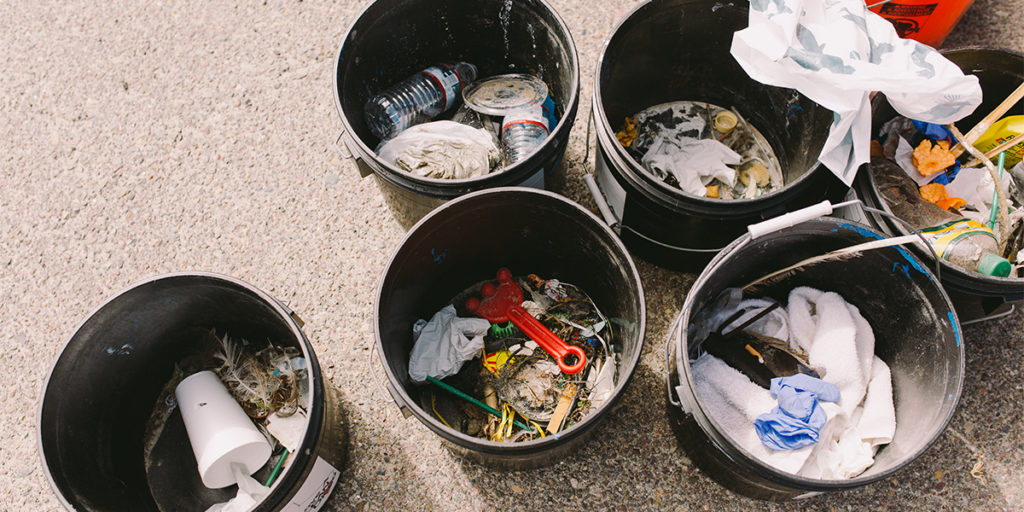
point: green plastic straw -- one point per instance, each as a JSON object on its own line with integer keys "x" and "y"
{"x": 277, "y": 468}
{"x": 475, "y": 402}
{"x": 995, "y": 192}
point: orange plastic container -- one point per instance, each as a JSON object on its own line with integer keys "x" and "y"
{"x": 927, "y": 21}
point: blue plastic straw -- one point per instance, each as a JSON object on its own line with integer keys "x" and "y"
{"x": 995, "y": 192}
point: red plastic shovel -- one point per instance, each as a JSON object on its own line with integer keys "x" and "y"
{"x": 501, "y": 304}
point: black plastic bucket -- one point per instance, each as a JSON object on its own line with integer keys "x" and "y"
{"x": 393, "y": 39}
{"x": 975, "y": 296}
{"x": 105, "y": 383}
{"x": 671, "y": 50}
{"x": 464, "y": 242}
{"x": 916, "y": 333}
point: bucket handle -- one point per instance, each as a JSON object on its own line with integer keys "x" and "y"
{"x": 406, "y": 412}
{"x": 668, "y": 360}
{"x": 825, "y": 208}
{"x": 342, "y": 147}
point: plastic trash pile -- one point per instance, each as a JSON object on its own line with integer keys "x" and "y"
{"x": 542, "y": 370}
{"x": 266, "y": 393}
{"x": 972, "y": 220}
{"x": 703, "y": 149}
{"x": 502, "y": 120}
{"x": 798, "y": 386}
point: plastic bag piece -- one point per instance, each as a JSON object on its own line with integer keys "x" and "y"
{"x": 442, "y": 149}
{"x": 836, "y": 53}
{"x": 444, "y": 344}
{"x": 250, "y": 493}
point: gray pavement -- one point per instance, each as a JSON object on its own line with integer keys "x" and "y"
{"x": 146, "y": 137}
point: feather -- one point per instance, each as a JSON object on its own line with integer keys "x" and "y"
{"x": 245, "y": 379}
{"x": 836, "y": 255}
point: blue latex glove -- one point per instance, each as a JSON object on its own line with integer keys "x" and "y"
{"x": 798, "y": 418}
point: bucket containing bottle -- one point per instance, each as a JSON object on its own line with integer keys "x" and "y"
{"x": 981, "y": 263}
{"x": 491, "y": 86}
{"x": 191, "y": 360}
{"x": 666, "y": 69}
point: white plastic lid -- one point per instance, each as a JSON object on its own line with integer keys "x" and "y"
{"x": 497, "y": 95}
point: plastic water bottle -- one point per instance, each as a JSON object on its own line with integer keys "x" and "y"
{"x": 417, "y": 99}
{"x": 969, "y": 245}
{"x": 522, "y": 131}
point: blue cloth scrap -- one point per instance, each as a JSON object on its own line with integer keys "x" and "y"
{"x": 935, "y": 132}
{"x": 945, "y": 177}
{"x": 798, "y": 418}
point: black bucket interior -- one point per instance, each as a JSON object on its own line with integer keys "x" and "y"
{"x": 465, "y": 242}
{"x": 394, "y": 39}
{"x": 674, "y": 50}
{"x": 916, "y": 334}
{"x": 105, "y": 384}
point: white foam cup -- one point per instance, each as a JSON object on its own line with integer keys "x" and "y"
{"x": 219, "y": 430}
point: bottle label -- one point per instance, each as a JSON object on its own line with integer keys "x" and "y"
{"x": 448, "y": 81}
{"x": 525, "y": 116}
{"x": 945, "y": 236}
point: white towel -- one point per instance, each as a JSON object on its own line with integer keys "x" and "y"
{"x": 734, "y": 402}
{"x": 840, "y": 345}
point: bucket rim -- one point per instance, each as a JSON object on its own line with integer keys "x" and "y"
{"x": 403, "y": 400}
{"x": 400, "y": 177}
{"x": 315, "y": 416}
{"x": 656, "y": 189}
{"x": 712, "y": 429}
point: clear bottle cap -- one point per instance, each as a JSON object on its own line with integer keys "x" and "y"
{"x": 994, "y": 265}
{"x": 497, "y": 95}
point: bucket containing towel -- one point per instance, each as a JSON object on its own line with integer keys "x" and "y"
{"x": 975, "y": 295}
{"x": 393, "y": 39}
{"x": 458, "y": 246}
{"x": 867, "y": 346}
{"x": 674, "y": 51}
{"x": 113, "y": 437}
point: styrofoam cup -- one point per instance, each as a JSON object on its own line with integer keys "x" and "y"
{"x": 219, "y": 430}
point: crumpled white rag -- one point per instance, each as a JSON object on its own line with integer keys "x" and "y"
{"x": 694, "y": 162}
{"x": 836, "y": 53}
{"x": 442, "y": 149}
{"x": 444, "y": 344}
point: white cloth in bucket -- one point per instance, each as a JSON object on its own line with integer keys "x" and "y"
{"x": 442, "y": 149}
{"x": 840, "y": 345}
{"x": 836, "y": 53}
{"x": 693, "y": 162}
{"x": 444, "y": 344}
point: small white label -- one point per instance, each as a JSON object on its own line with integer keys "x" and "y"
{"x": 448, "y": 80}
{"x": 316, "y": 489}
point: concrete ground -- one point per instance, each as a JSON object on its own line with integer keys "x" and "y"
{"x": 155, "y": 136}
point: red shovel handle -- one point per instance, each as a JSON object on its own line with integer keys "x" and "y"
{"x": 547, "y": 340}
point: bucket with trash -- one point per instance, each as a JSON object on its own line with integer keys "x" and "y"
{"x": 812, "y": 358}
{"x": 438, "y": 99}
{"x": 191, "y": 360}
{"x": 962, "y": 185}
{"x": 509, "y": 322}
{"x": 690, "y": 149}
